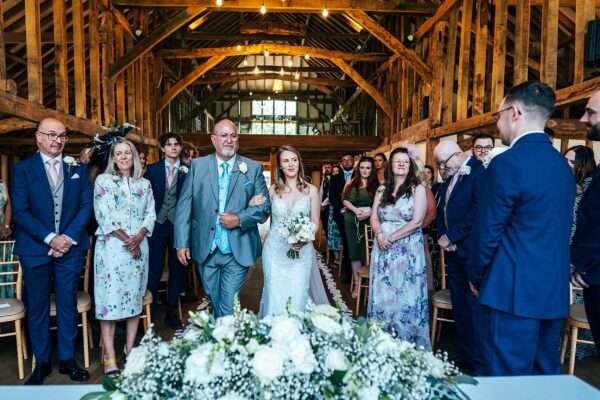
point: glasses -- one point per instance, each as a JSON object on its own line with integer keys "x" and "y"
{"x": 496, "y": 115}
{"x": 401, "y": 162}
{"x": 54, "y": 136}
{"x": 445, "y": 162}
{"x": 226, "y": 135}
{"x": 482, "y": 148}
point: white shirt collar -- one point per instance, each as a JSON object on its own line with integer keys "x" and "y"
{"x": 521, "y": 135}
{"x": 46, "y": 158}
{"x": 176, "y": 165}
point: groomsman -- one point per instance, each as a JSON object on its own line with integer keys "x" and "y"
{"x": 166, "y": 177}
{"x": 520, "y": 253}
{"x": 52, "y": 203}
{"x": 455, "y": 213}
{"x": 585, "y": 249}
{"x": 482, "y": 145}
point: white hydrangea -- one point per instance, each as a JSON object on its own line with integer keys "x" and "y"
{"x": 285, "y": 330}
{"x": 267, "y": 363}
{"x": 204, "y": 364}
{"x": 301, "y": 354}
{"x": 136, "y": 361}
{"x": 336, "y": 360}
{"x": 224, "y": 329}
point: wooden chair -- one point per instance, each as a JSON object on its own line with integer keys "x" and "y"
{"x": 13, "y": 309}
{"x": 146, "y": 315}
{"x": 364, "y": 275}
{"x": 84, "y": 305}
{"x": 440, "y": 301}
{"x": 576, "y": 320}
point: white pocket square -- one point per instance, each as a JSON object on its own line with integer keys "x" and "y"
{"x": 75, "y": 176}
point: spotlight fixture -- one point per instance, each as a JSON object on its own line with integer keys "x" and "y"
{"x": 263, "y": 9}
{"x": 219, "y": 3}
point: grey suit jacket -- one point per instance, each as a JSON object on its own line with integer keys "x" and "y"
{"x": 198, "y": 207}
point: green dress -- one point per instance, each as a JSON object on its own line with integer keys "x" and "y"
{"x": 355, "y": 232}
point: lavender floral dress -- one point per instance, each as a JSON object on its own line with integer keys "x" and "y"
{"x": 398, "y": 293}
{"x": 119, "y": 280}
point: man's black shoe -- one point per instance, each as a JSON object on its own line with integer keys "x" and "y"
{"x": 172, "y": 320}
{"x": 42, "y": 370}
{"x": 75, "y": 372}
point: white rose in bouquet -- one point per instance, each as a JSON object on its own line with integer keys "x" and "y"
{"x": 336, "y": 360}
{"x": 224, "y": 329}
{"x": 326, "y": 324}
{"x": 327, "y": 310}
{"x": 267, "y": 363}
{"x": 285, "y": 331}
{"x": 252, "y": 346}
{"x": 301, "y": 354}
{"x": 369, "y": 393}
{"x": 136, "y": 361}
{"x": 436, "y": 366}
{"x": 204, "y": 364}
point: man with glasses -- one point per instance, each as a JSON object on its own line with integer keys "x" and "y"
{"x": 52, "y": 204}
{"x": 585, "y": 249}
{"x": 520, "y": 250}
{"x": 455, "y": 212}
{"x": 482, "y": 145}
{"x": 217, "y": 216}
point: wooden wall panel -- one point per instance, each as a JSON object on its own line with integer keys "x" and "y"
{"x": 61, "y": 78}
{"x": 550, "y": 42}
{"x": 79, "y": 58}
{"x": 464, "y": 59}
{"x": 34, "y": 52}
{"x": 522, "y": 26}
{"x": 448, "y": 94}
{"x": 499, "y": 60}
{"x": 481, "y": 47}
{"x": 94, "y": 49}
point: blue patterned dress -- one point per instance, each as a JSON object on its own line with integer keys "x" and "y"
{"x": 398, "y": 293}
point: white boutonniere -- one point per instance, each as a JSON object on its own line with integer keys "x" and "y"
{"x": 493, "y": 153}
{"x": 243, "y": 167}
{"x": 70, "y": 161}
{"x": 184, "y": 169}
{"x": 464, "y": 170}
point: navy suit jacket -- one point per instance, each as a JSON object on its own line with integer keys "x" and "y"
{"x": 585, "y": 249}
{"x": 157, "y": 175}
{"x": 520, "y": 248}
{"x": 460, "y": 211}
{"x": 33, "y": 211}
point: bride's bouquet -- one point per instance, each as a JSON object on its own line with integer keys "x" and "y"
{"x": 297, "y": 228}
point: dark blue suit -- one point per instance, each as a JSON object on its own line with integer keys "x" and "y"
{"x": 33, "y": 214}
{"x": 585, "y": 253}
{"x": 455, "y": 220}
{"x": 162, "y": 238}
{"x": 520, "y": 257}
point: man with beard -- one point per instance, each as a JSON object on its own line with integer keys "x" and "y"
{"x": 585, "y": 249}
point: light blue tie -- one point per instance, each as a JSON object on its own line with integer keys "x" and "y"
{"x": 221, "y": 237}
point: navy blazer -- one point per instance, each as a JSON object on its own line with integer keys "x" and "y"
{"x": 157, "y": 175}
{"x": 520, "y": 247}
{"x": 33, "y": 210}
{"x": 460, "y": 212}
{"x": 585, "y": 249}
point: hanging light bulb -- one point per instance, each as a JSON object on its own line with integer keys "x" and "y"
{"x": 268, "y": 97}
{"x": 219, "y": 3}
{"x": 245, "y": 62}
{"x": 325, "y": 12}
{"x": 256, "y": 70}
{"x": 266, "y": 53}
{"x": 295, "y": 97}
{"x": 238, "y": 47}
{"x": 263, "y": 8}
{"x": 297, "y": 75}
{"x": 307, "y": 56}
{"x": 250, "y": 93}
{"x": 281, "y": 71}
{"x": 290, "y": 62}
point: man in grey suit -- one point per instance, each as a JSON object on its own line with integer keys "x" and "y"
{"x": 215, "y": 220}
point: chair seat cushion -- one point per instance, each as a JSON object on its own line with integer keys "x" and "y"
{"x": 442, "y": 298}
{"x": 84, "y": 303}
{"x": 577, "y": 313}
{"x": 15, "y": 310}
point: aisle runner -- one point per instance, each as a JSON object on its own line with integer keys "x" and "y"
{"x": 335, "y": 293}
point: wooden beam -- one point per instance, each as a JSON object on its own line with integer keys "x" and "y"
{"x": 273, "y": 68}
{"x": 499, "y": 64}
{"x": 188, "y": 80}
{"x": 365, "y": 86}
{"x": 120, "y": 80}
{"x": 9, "y": 125}
{"x": 94, "y": 49}
{"x": 548, "y": 74}
{"x": 60, "y": 56}
{"x": 387, "y": 6}
{"x": 393, "y": 43}
{"x": 272, "y": 48}
{"x": 448, "y": 90}
{"x": 34, "y": 52}
{"x": 2, "y": 47}
{"x": 440, "y": 14}
{"x": 462, "y": 95}
{"x": 577, "y": 92}
{"x": 210, "y": 36}
{"x": 584, "y": 12}
{"x": 482, "y": 11}
{"x": 437, "y": 56}
{"x": 522, "y": 26}
{"x": 79, "y": 58}
{"x": 155, "y": 37}
{"x": 288, "y": 78}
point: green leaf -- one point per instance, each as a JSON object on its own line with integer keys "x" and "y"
{"x": 96, "y": 396}
{"x": 109, "y": 383}
{"x": 466, "y": 380}
{"x": 337, "y": 378}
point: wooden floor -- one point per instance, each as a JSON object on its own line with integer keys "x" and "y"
{"x": 587, "y": 369}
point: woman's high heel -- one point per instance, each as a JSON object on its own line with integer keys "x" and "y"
{"x": 111, "y": 364}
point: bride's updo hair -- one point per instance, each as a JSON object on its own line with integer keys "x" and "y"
{"x": 280, "y": 180}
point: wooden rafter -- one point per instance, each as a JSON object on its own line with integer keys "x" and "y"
{"x": 34, "y": 51}
{"x": 440, "y": 14}
{"x": 549, "y": 42}
{"x": 365, "y": 86}
{"x": 393, "y": 43}
{"x": 188, "y": 80}
{"x": 9, "y": 125}
{"x": 158, "y": 35}
{"x": 288, "y": 78}
{"x": 272, "y": 48}
{"x": 522, "y": 41}
{"x": 60, "y": 56}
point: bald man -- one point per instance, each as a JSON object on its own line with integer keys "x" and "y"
{"x": 214, "y": 221}
{"x": 455, "y": 213}
{"x": 52, "y": 204}
{"x": 585, "y": 249}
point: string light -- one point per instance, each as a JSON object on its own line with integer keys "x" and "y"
{"x": 219, "y": 3}
{"x": 307, "y": 56}
{"x": 281, "y": 71}
{"x": 325, "y": 12}
{"x": 263, "y": 8}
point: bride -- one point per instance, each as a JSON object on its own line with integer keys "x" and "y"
{"x": 285, "y": 279}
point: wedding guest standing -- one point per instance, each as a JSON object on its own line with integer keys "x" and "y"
{"x": 358, "y": 199}
{"x": 398, "y": 293}
{"x": 52, "y": 203}
{"x": 583, "y": 165}
{"x": 380, "y": 165}
{"x": 324, "y": 193}
{"x": 188, "y": 153}
{"x": 5, "y": 233}
{"x": 334, "y": 237}
{"x": 166, "y": 177}
{"x": 482, "y": 145}
{"x": 519, "y": 262}
{"x": 142, "y": 150}
{"x": 585, "y": 249}
{"x": 124, "y": 209}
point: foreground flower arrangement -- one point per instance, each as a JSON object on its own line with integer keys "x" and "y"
{"x": 320, "y": 354}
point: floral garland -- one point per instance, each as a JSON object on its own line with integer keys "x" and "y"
{"x": 335, "y": 293}
{"x": 319, "y": 354}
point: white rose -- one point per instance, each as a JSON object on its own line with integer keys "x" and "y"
{"x": 252, "y": 346}
{"x": 267, "y": 363}
{"x": 436, "y": 366}
{"x": 243, "y": 167}
{"x": 224, "y": 329}
{"x": 197, "y": 365}
{"x": 285, "y": 330}
{"x": 369, "y": 393}
{"x": 326, "y": 324}
{"x": 336, "y": 360}
{"x": 327, "y": 310}
{"x": 302, "y": 356}
{"x": 136, "y": 361}
{"x": 116, "y": 395}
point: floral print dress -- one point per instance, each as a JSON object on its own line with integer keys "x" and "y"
{"x": 398, "y": 294}
{"x": 119, "y": 280}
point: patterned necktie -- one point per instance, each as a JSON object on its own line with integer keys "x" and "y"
{"x": 53, "y": 171}
{"x": 170, "y": 174}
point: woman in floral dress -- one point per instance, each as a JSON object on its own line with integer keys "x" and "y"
{"x": 398, "y": 294}
{"x": 124, "y": 209}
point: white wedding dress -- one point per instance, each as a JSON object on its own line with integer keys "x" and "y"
{"x": 296, "y": 281}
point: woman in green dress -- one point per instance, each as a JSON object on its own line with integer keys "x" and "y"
{"x": 358, "y": 199}
{"x": 5, "y": 233}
